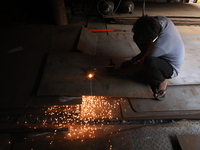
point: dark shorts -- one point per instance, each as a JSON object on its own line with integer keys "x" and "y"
{"x": 157, "y": 70}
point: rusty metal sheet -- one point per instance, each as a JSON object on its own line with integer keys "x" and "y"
{"x": 105, "y": 45}
{"x": 87, "y": 42}
{"x": 115, "y": 46}
{"x": 128, "y": 109}
{"x": 178, "y": 98}
{"x": 66, "y": 74}
{"x": 189, "y": 141}
{"x": 128, "y": 33}
{"x": 69, "y": 32}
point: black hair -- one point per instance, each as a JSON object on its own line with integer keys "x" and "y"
{"x": 146, "y": 29}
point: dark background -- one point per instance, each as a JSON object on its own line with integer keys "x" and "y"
{"x": 36, "y": 11}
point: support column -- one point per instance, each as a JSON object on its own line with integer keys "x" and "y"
{"x": 59, "y": 12}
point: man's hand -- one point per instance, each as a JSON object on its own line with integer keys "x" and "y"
{"x": 132, "y": 66}
{"x": 129, "y": 63}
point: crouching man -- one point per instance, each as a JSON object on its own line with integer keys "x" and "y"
{"x": 162, "y": 52}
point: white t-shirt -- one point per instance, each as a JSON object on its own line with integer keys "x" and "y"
{"x": 169, "y": 45}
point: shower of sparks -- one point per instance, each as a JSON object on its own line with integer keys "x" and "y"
{"x": 81, "y": 132}
{"x": 82, "y": 119}
{"x": 95, "y": 107}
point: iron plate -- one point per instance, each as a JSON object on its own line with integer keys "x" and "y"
{"x": 66, "y": 74}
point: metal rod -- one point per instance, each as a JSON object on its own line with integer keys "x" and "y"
{"x": 143, "y": 9}
{"x": 32, "y": 130}
{"x": 107, "y": 30}
{"x": 108, "y": 66}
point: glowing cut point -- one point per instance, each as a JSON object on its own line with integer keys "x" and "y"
{"x": 90, "y": 75}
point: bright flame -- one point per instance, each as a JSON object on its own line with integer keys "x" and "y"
{"x": 90, "y": 75}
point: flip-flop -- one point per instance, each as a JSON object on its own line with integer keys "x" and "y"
{"x": 158, "y": 92}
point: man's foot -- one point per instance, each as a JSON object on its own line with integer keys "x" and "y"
{"x": 161, "y": 90}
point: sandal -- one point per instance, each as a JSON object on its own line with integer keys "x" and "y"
{"x": 160, "y": 92}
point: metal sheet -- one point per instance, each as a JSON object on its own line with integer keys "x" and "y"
{"x": 66, "y": 38}
{"x": 87, "y": 42}
{"x": 128, "y": 34}
{"x": 189, "y": 141}
{"x": 105, "y": 45}
{"x": 66, "y": 74}
{"x": 115, "y": 46}
{"x": 128, "y": 109}
{"x": 96, "y": 23}
{"x": 177, "y": 98}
